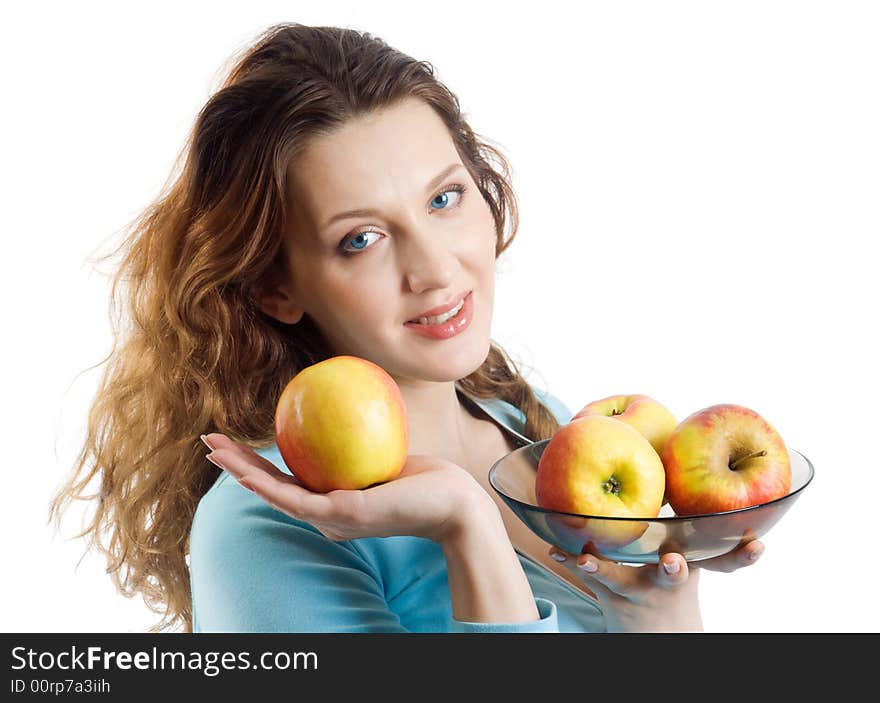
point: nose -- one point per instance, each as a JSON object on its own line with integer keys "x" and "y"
{"x": 428, "y": 262}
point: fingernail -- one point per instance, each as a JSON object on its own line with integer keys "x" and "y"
{"x": 589, "y": 565}
{"x": 671, "y": 567}
{"x": 558, "y": 556}
{"x": 208, "y": 444}
{"x": 210, "y": 457}
{"x": 755, "y": 553}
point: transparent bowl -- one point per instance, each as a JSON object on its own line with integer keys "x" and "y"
{"x": 638, "y": 540}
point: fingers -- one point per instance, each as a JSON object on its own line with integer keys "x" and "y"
{"x": 288, "y": 496}
{"x": 620, "y": 579}
{"x": 239, "y": 459}
{"x": 282, "y": 491}
{"x": 746, "y": 555}
{"x": 601, "y": 575}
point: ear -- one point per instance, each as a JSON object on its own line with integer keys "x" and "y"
{"x": 277, "y": 300}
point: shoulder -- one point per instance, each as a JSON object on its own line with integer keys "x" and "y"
{"x": 511, "y": 417}
{"x": 501, "y": 408}
{"x": 554, "y": 404}
{"x": 236, "y": 530}
{"x": 248, "y": 561}
{"x": 229, "y": 517}
{"x": 233, "y": 526}
{"x": 256, "y": 569}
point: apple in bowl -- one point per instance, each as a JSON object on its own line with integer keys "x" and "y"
{"x": 595, "y": 466}
{"x": 650, "y": 417}
{"x": 724, "y": 457}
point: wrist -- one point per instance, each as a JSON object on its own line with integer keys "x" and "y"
{"x": 474, "y": 517}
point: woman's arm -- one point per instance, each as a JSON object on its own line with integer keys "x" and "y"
{"x": 432, "y": 498}
{"x": 486, "y": 579}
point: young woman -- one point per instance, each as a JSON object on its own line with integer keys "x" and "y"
{"x": 334, "y": 200}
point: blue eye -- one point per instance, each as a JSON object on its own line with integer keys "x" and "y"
{"x": 360, "y": 240}
{"x": 442, "y": 199}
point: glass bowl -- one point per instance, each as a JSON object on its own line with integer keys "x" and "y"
{"x": 638, "y": 540}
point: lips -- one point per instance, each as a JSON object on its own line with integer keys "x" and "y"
{"x": 440, "y": 309}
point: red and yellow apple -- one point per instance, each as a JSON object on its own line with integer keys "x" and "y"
{"x": 342, "y": 424}
{"x": 724, "y": 457}
{"x": 597, "y": 466}
{"x": 653, "y": 419}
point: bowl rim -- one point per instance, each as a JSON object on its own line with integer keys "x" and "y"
{"x": 666, "y": 518}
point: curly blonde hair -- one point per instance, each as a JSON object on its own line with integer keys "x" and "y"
{"x": 192, "y": 353}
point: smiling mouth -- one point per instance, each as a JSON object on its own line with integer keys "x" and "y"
{"x": 440, "y": 319}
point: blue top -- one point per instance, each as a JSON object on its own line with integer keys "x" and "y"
{"x": 256, "y": 569}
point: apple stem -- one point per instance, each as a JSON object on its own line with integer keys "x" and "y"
{"x": 760, "y": 452}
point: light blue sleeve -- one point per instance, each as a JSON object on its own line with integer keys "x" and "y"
{"x": 255, "y": 569}
{"x": 547, "y": 623}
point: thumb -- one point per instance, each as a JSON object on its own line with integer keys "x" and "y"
{"x": 420, "y": 463}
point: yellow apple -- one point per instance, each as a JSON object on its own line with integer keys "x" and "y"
{"x": 597, "y": 466}
{"x": 342, "y": 424}
{"x": 648, "y": 416}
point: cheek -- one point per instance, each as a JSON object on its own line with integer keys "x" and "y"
{"x": 354, "y": 299}
{"x": 481, "y": 246}
{"x": 348, "y": 297}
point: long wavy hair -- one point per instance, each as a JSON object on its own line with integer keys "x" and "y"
{"x": 191, "y": 352}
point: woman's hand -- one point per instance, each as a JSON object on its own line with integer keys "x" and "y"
{"x": 431, "y": 498}
{"x": 661, "y": 597}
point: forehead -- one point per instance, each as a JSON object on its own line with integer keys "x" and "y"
{"x": 406, "y": 143}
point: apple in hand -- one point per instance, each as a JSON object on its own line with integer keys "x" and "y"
{"x": 342, "y": 424}
{"x": 722, "y": 458}
{"x": 597, "y": 466}
{"x": 654, "y": 420}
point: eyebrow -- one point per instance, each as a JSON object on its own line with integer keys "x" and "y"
{"x": 363, "y": 212}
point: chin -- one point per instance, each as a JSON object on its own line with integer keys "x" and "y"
{"x": 452, "y": 366}
{"x": 473, "y": 359}
{"x": 443, "y": 363}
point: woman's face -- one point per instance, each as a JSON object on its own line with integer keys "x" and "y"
{"x": 362, "y": 277}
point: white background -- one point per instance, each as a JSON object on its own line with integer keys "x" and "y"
{"x": 699, "y": 192}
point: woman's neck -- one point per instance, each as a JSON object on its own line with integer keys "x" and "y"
{"x": 439, "y": 424}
